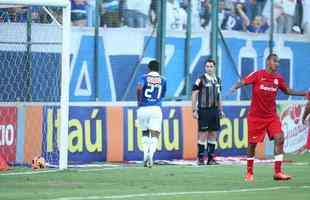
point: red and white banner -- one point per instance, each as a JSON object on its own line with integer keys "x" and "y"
{"x": 295, "y": 132}
{"x": 8, "y": 130}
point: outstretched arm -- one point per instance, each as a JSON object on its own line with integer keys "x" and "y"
{"x": 235, "y": 87}
{"x": 292, "y": 92}
{"x": 249, "y": 79}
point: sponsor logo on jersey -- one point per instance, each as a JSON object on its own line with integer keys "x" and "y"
{"x": 266, "y": 88}
{"x": 153, "y": 80}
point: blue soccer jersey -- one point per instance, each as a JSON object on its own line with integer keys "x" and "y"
{"x": 153, "y": 89}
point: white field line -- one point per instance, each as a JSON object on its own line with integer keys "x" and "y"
{"x": 180, "y": 193}
{"x": 93, "y": 169}
{"x": 113, "y": 168}
{"x": 57, "y": 170}
{"x": 29, "y": 173}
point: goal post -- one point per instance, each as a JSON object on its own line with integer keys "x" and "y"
{"x": 65, "y": 67}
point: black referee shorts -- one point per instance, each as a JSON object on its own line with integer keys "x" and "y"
{"x": 209, "y": 119}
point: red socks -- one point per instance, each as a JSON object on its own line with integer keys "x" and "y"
{"x": 277, "y": 166}
{"x": 250, "y": 165}
{"x": 278, "y": 159}
{"x": 278, "y": 163}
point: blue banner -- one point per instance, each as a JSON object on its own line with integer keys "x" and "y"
{"x": 170, "y": 144}
{"x": 86, "y": 139}
{"x": 232, "y": 139}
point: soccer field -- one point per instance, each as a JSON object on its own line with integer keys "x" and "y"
{"x": 159, "y": 182}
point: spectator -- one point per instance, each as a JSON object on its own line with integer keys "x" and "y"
{"x": 19, "y": 14}
{"x": 298, "y": 17}
{"x": 259, "y": 25}
{"x": 111, "y": 16}
{"x": 176, "y": 16}
{"x": 195, "y": 13}
{"x": 4, "y": 15}
{"x": 284, "y": 11}
{"x": 254, "y": 8}
{"x": 306, "y": 17}
{"x": 79, "y": 12}
{"x": 205, "y": 13}
{"x": 136, "y": 13}
{"x": 259, "y": 6}
{"x": 236, "y": 20}
{"x": 35, "y": 14}
{"x": 152, "y": 12}
{"x": 196, "y": 7}
{"x": 285, "y": 21}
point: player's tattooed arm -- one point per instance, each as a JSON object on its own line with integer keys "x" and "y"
{"x": 292, "y": 92}
{"x": 306, "y": 112}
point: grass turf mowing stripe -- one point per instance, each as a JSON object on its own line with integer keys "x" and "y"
{"x": 181, "y": 193}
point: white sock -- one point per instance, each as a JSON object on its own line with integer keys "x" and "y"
{"x": 145, "y": 146}
{"x": 153, "y": 146}
{"x": 278, "y": 157}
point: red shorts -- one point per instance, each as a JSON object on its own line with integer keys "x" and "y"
{"x": 258, "y": 127}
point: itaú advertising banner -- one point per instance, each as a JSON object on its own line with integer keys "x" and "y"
{"x": 295, "y": 132}
{"x": 86, "y": 137}
{"x": 233, "y": 137}
{"x": 8, "y": 118}
{"x": 170, "y": 143}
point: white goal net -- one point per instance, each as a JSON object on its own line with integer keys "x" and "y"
{"x": 34, "y": 82}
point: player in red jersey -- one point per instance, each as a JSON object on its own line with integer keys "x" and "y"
{"x": 262, "y": 116}
{"x": 306, "y": 120}
{"x": 306, "y": 113}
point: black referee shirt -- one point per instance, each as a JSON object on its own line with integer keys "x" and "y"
{"x": 209, "y": 91}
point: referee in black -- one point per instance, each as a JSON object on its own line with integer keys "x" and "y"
{"x": 207, "y": 109}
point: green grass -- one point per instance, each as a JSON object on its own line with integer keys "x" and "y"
{"x": 102, "y": 183}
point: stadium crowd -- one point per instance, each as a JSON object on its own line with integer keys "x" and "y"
{"x": 290, "y": 16}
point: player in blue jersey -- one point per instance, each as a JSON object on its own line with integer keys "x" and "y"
{"x": 151, "y": 88}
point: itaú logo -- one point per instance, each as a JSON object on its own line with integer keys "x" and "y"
{"x": 7, "y": 135}
{"x": 270, "y": 89}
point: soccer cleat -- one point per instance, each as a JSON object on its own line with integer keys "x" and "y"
{"x": 249, "y": 177}
{"x": 281, "y": 177}
{"x": 201, "y": 161}
{"x": 150, "y": 163}
{"x": 146, "y": 163}
{"x": 212, "y": 162}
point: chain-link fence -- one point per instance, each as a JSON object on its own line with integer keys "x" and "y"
{"x": 132, "y": 32}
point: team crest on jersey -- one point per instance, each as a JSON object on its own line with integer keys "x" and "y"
{"x": 276, "y": 81}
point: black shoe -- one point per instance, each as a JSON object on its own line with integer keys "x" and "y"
{"x": 201, "y": 161}
{"x": 148, "y": 162}
{"x": 212, "y": 162}
{"x": 145, "y": 163}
